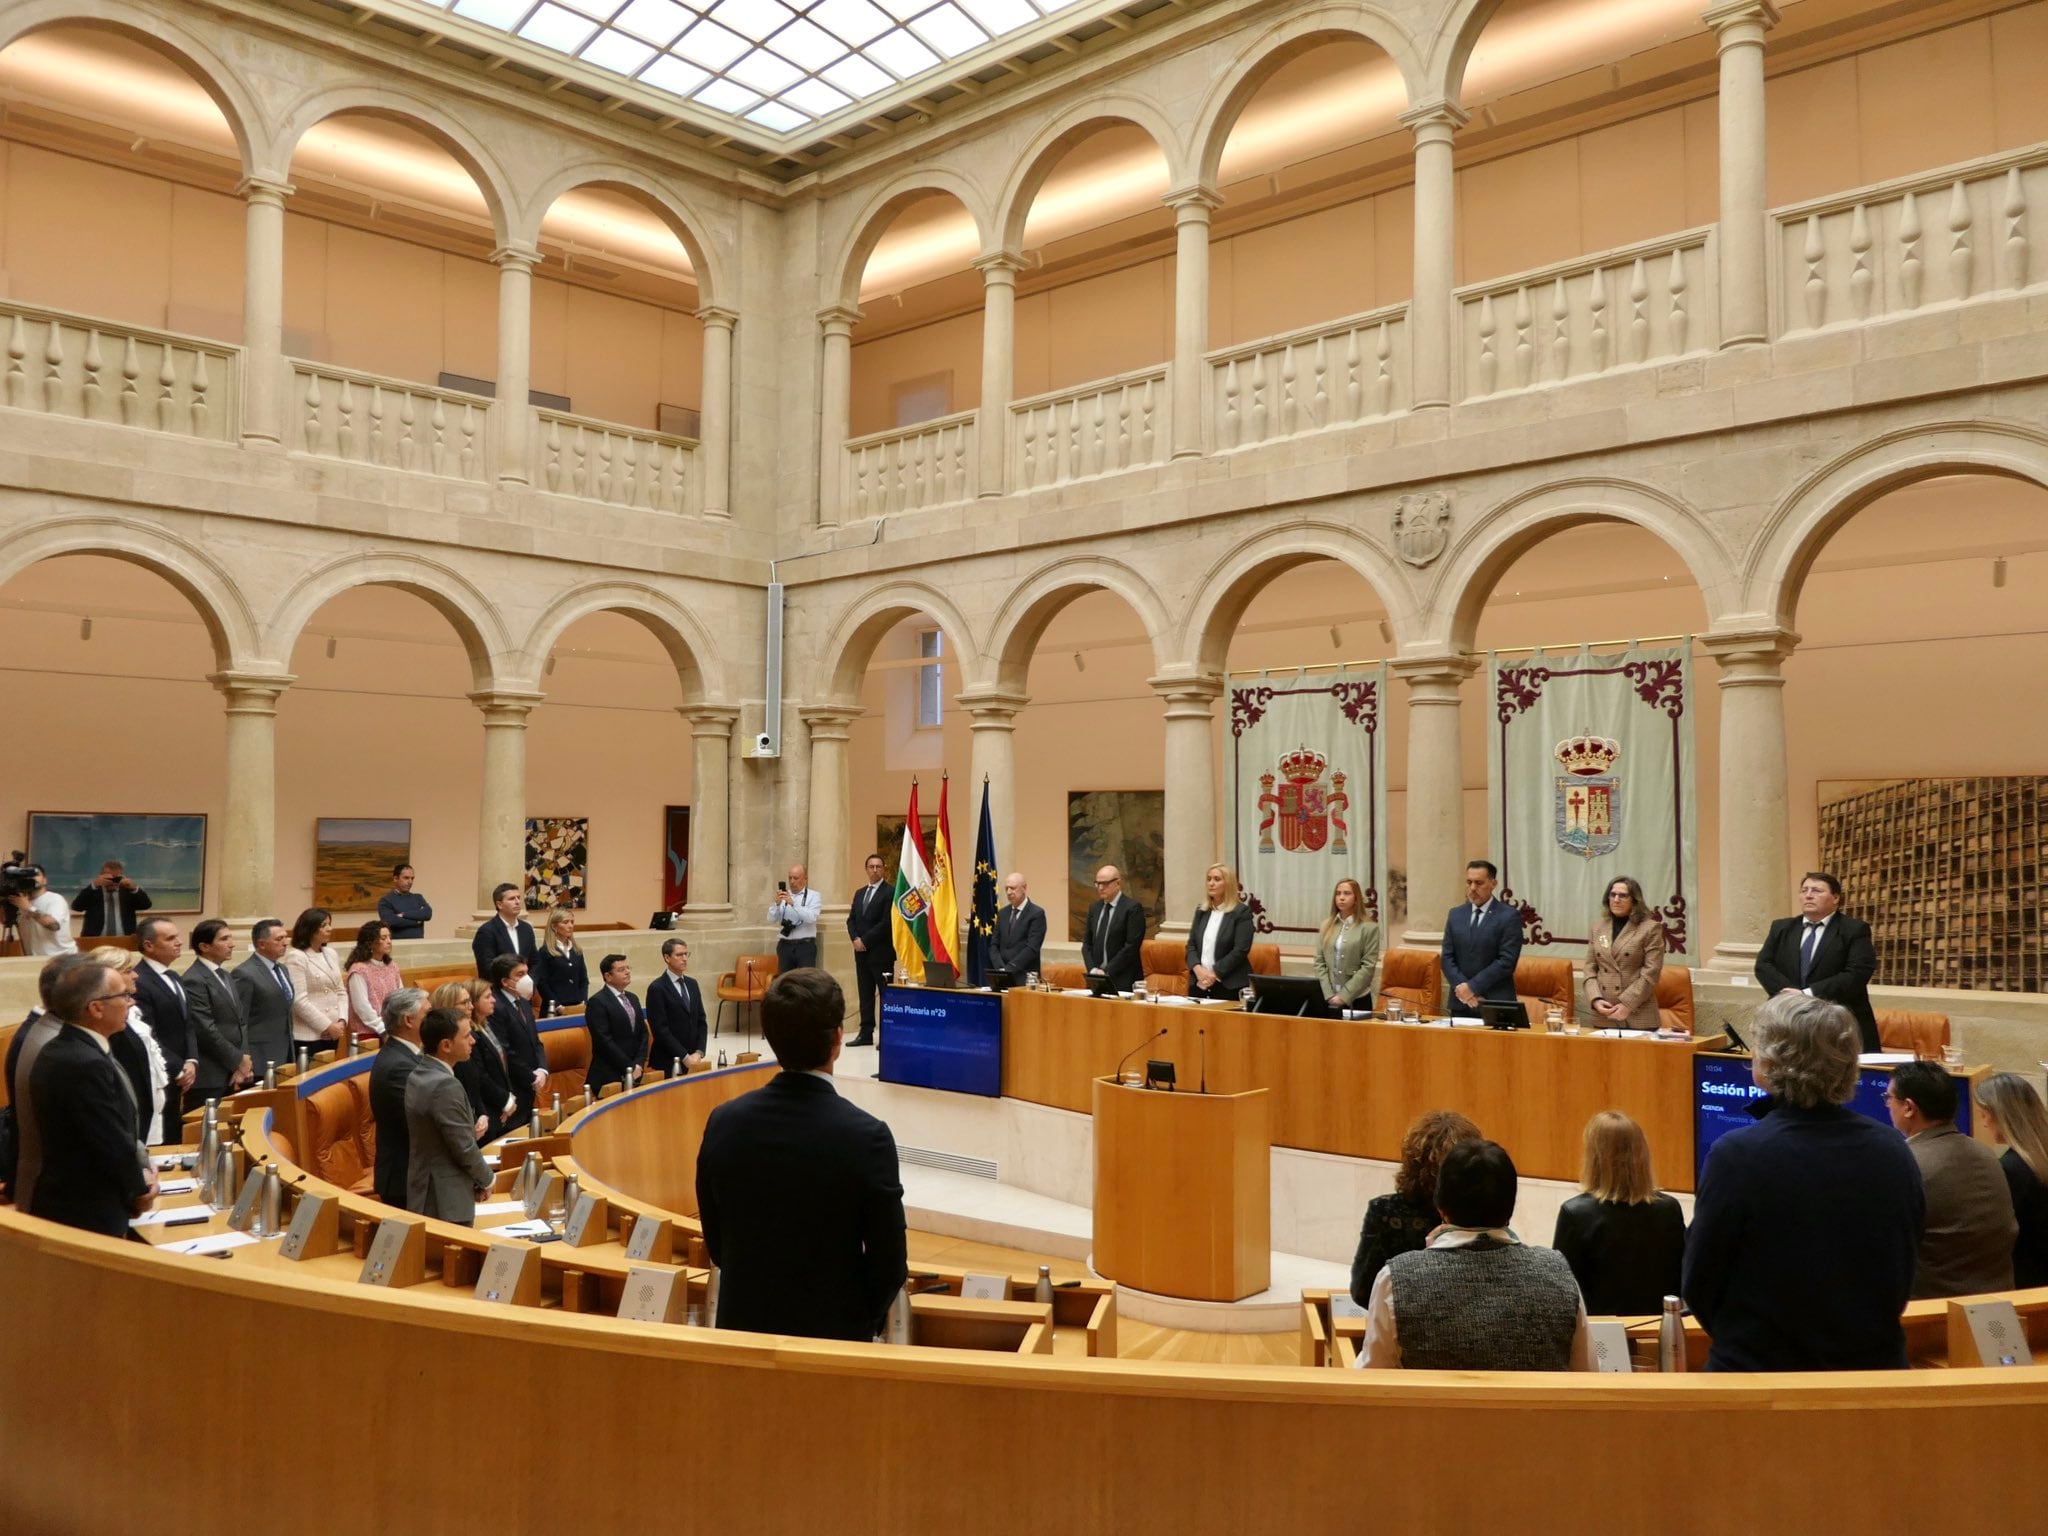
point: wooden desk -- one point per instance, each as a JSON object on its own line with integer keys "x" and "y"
{"x": 1353, "y": 1087}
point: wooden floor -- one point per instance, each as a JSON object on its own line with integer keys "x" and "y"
{"x": 1135, "y": 1340}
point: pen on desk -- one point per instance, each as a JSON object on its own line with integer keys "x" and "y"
{"x": 190, "y": 1221}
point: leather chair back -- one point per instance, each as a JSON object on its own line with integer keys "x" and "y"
{"x": 1067, "y": 974}
{"x": 1674, "y": 998}
{"x": 334, "y": 1118}
{"x": 1165, "y": 964}
{"x": 1413, "y": 977}
{"x": 1924, "y": 1034}
{"x": 1265, "y": 959}
{"x": 568, "y": 1052}
{"x": 1544, "y": 980}
{"x": 734, "y": 986}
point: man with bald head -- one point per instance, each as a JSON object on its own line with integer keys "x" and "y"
{"x": 870, "y": 925}
{"x": 1112, "y": 938}
{"x": 1019, "y": 940}
{"x": 795, "y": 913}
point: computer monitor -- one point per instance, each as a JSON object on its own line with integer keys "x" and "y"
{"x": 1298, "y": 995}
{"x": 1000, "y": 981}
{"x": 1504, "y": 1015}
{"x": 1102, "y": 986}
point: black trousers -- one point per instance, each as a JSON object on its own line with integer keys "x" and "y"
{"x": 795, "y": 954}
{"x": 871, "y": 972}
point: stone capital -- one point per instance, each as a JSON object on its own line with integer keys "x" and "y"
{"x": 1750, "y": 656}
{"x": 516, "y": 256}
{"x": 992, "y": 711}
{"x": 710, "y": 719}
{"x": 829, "y": 722}
{"x": 1434, "y": 679}
{"x": 1193, "y": 205}
{"x": 264, "y": 189}
{"x": 1741, "y": 21}
{"x": 506, "y": 707}
{"x": 839, "y": 319}
{"x": 1000, "y": 268}
{"x": 251, "y": 693}
{"x": 1434, "y": 120}
{"x": 1187, "y": 694}
{"x": 714, "y": 317}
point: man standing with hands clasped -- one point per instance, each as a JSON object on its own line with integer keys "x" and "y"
{"x": 870, "y": 924}
{"x": 1482, "y": 942}
{"x": 1823, "y": 952}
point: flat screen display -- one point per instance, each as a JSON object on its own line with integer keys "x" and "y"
{"x": 937, "y": 1038}
{"x": 1723, "y": 1090}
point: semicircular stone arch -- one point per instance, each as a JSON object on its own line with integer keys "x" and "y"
{"x": 1030, "y": 609}
{"x": 842, "y": 661}
{"x": 693, "y": 227}
{"x": 1052, "y": 144}
{"x": 687, "y": 642}
{"x": 843, "y": 271}
{"x": 1234, "y": 581}
{"x": 472, "y": 615}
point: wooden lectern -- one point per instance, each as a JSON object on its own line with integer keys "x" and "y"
{"x": 1183, "y": 1200}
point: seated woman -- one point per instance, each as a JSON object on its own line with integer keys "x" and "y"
{"x": 1348, "y": 948}
{"x": 1401, "y": 1222}
{"x": 1624, "y": 1239}
{"x": 371, "y": 976}
{"x": 561, "y": 980}
{"x": 2013, "y": 1114}
{"x": 1220, "y": 940}
{"x": 1624, "y": 960}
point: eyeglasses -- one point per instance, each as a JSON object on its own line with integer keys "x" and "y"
{"x": 110, "y": 997}
{"x": 1105, "y": 882}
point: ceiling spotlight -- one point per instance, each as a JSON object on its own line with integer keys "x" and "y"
{"x": 549, "y": 669}
{"x": 85, "y": 629}
{"x": 1080, "y": 665}
{"x": 1386, "y": 632}
{"x": 1998, "y": 572}
{"x": 1336, "y": 638}
{"x": 330, "y": 647}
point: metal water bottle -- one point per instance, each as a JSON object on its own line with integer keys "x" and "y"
{"x": 270, "y": 1214}
{"x": 209, "y": 1149}
{"x": 270, "y": 1077}
{"x": 1043, "y": 1290}
{"x": 572, "y": 1191}
{"x": 677, "y": 1069}
{"x": 558, "y": 1109}
{"x": 226, "y": 1187}
{"x": 1671, "y": 1337}
{"x": 305, "y": 1059}
{"x": 896, "y": 1327}
{"x": 533, "y": 1126}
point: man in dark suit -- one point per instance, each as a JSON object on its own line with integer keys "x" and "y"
{"x": 798, "y": 1189}
{"x": 505, "y": 934}
{"x": 1482, "y": 942}
{"x": 95, "y": 1173}
{"x": 33, "y": 1033}
{"x": 618, "y": 1027}
{"x": 111, "y": 904}
{"x": 402, "y": 909}
{"x": 404, "y": 1011}
{"x": 526, "y": 1059}
{"x": 220, "y": 1030}
{"x": 1018, "y": 945}
{"x": 266, "y": 993}
{"x": 870, "y": 923}
{"x": 160, "y": 994}
{"x": 1113, "y": 936}
{"x": 445, "y": 1173}
{"x": 675, "y": 1010}
{"x": 1823, "y": 952}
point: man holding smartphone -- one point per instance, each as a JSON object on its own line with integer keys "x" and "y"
{"x": 795, "y": 911}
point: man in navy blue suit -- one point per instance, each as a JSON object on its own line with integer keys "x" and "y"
{"x": 1482, "y": 942}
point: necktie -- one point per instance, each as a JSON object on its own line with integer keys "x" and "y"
{"x": 1102, "y": 928}
{"x": 1475, "y": 916}
{"x": 284, "y": 982}
{"x": 113, "y": 922}
{"x": 177, "y": 991}
{"x": 1806, "y": 948}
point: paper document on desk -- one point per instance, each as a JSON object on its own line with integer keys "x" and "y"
{"x": 215, "y": 1242}
{"x": 501, "y": 1208}
{"x": 519, "y": 1228}
{"x": 192, "y": 1213}
{"x": 176, "y": 1186}
{"x": 1884, "y": 1058}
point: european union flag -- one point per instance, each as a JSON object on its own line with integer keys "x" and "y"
{"x": 981, "y": 921}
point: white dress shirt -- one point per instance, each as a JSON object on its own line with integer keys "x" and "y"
{"x": 798, "y": 907}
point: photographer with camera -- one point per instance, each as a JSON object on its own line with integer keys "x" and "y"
{"x": 111, "y": 904}
{"x": 39, "y": 916}
{"x": 795, "y": 913}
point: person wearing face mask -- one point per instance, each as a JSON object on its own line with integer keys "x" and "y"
{"x": 526, "y": 1059}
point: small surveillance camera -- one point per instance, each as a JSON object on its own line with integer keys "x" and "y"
{"x": 764, "y": 744}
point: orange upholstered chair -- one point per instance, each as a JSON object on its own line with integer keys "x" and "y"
{"x": 1265, "y": 959}
{"x": 340, "y": 1145}
{"x": 568, "y": 1052}
{"x": 1541, "y": 980}
{"x": 744, "y": 985}
{"x": 1066, "y": 974}
{"x": 1674, "y": 998}
{"x": 1414, "y": 978}
{"x": 1165, "y": 963}
{"x": 1924, "y": 1034}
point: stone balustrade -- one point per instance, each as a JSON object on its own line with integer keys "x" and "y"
{"x": 925, "y": 465}
{"x": 602, "y": 462}
{"x": 1320, "y": 376}
{"x": 335, "y": 413}
{"x": 96, "y": 370}
{"x": 1096, "y": 428}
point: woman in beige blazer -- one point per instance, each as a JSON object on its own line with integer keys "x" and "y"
{"x": 319, "y": 1002}
{"x": 1624, "y": 960}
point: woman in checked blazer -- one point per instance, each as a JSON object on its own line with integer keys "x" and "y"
{"x": 1624, "y": 960}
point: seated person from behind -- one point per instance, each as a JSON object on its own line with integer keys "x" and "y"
{"x": 1967, "y": 1244}
{"x": 1624, "y": 1239}
{"x": 1401, "y": 1222}
{"x": 1477, "y": 1298}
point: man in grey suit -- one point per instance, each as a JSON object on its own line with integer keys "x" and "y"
{"x": 1966, "y": 1246}
{"x": 445, "y": 1173}
{"x": 220, "y": 1028}
{"x": 265, "y": 993}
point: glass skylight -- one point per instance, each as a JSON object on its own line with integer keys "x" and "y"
{"x": 780, "y": 64}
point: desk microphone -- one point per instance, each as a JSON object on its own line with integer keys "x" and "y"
{"x": 1203, "y": 1033}
{"x": 1137, "y": 1048}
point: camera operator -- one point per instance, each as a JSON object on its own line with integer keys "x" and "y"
{"x": 42, "y": 918}
{"x": 111, "y": 904}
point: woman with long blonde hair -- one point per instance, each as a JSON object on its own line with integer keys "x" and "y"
{"x": 1622, "y": 1236}
{"x": 1348, "y": 948}
{"x": 2012, "y": 1113}
{"x": 1220, "y": 939}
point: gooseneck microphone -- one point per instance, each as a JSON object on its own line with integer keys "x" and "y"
{"x": 1203, "y": 1034}
{"x": 1137, "y": 1048}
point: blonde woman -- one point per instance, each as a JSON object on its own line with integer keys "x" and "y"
{"x": 2012, "y": 1113}
{"x": 455, "y": 996}
{"x": 1220, "y": 940}
{"x": 1624, "y": 959}
{"x": 136, "y": 1052}
{"x": 561, "y": 979}
{"x": 1624, "y": 1239}
{"x": 1348, "y": 948}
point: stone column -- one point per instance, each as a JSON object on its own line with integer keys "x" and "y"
{"x": 1756, "y": 839}
{"x": 1436, "y": 793}
{"x": 263, "y": 380}
{"x": 1191, "y": 209}
{"x": 1430, "y": 320}
{"x": 710, "y": 812}
{"x": 831, "y": 802}
{"x": 998, "y": 371}
{"x": 248, "y": 834}
{"x": 512, "y": 411}
{"x": 501, "y": 807}
{"x": 992, "y": 757}
{"x": 1740, "y": 26}
{"x": 714, "y": 429}
{"x": 835, "y": 397}
{"x": 1191, "y": 839}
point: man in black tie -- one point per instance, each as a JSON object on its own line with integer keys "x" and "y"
{"x": 111, "y": 904}
{"x": 512, "y": 1022}
{"x": 618, "y": 1027}
{"x": 220, "y": 1029}
{"x": 675, "y": 1011}
{"x": 160, "y": 994}
{"x": 506, "y": 933}
{"x": 95, "y": 1174}
{"x": 266, "y": 993}
{"x": 1019, "y": 941}
{"x": 1823, "y": 952}
{"x": 870, "y": 923}
{"x": 1113, "y": 936}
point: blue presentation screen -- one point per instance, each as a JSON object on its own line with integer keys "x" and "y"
{"x": 1723, "y": 1089}
{"x": 936, "y": 1038}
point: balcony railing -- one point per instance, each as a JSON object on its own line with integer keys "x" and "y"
{"x": 602, "y": 462}
{"x": 925, "y": 465}
{"x": 1097, "y": 428}
{"x": 1950, "y": 235}
{"x": 97, "y": 370}
{"x": 1640, "y": 304}
{"x": 338, "y": 414}
{"x": 1321, "y": 376}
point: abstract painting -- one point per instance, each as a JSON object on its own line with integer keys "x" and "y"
{"x": 557, "y": 862}
{"x": 1124, "y": 827}
{"x": 353, "y": 857}
{"x": 675, "y": 857}
{"x": 165, "y": 854}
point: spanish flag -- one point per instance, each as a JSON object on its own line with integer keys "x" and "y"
{"x": 945, "y": 929}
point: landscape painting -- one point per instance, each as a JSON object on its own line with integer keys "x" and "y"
{"x": 165, "y": 854}
{"x": 557, "y": 863}
{"x": 353, "y": 857}
{"x": 1124, "y": 827}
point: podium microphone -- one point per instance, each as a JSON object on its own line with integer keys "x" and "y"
{"x": 1203, "y": 1033}
{"x": 1137, "y": 1048}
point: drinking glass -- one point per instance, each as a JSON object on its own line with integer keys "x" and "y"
{"x": 1138, "y": 990}
{"x": 1248, "y": 997}
{"x": 1031, "y": 982}
{"x": 1952, "y": 1057}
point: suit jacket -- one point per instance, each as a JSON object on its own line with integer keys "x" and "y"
{"x": 565, "y": 983}
{"x": 1349, "y": 976}
{"x": 92, "y": 903}
{"x": 802, "y": 1208}
{"x": 92, "y": 1167}
{"x": 1842, "y": 966}
{"x": 389, "y": 1074}
{"x": 1018, "y": 944}
{"x": 871, "y": 919}
{"x": 618, "y": 1036}
{"x": 1116, "y": 950}
{"x": 1625, "y": 971}
{"x": 1483, "y": 957}
{"x": 1801, "y": 1252}
{"x": 676, "y": 1024}
{"x": 220, "y": 1029}
{"x": 1233, "y": 948}
{"x": 1626, "y": 1258}
{"x": 36, "y": 1031}
{"x": 168, "y": 1013}
{"x": 444, "y": 1169}
{"x": 491, "y": 941}
{"x": 487, "y": 1078}
{"x": 512, "y": 1022}
{"x": 268, "y": 1013}
{"x": 1966, "y": 1247}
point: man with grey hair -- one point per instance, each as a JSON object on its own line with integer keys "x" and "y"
{"x": 1806, "y": 1225}
{"x": 396, "y": 1058}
